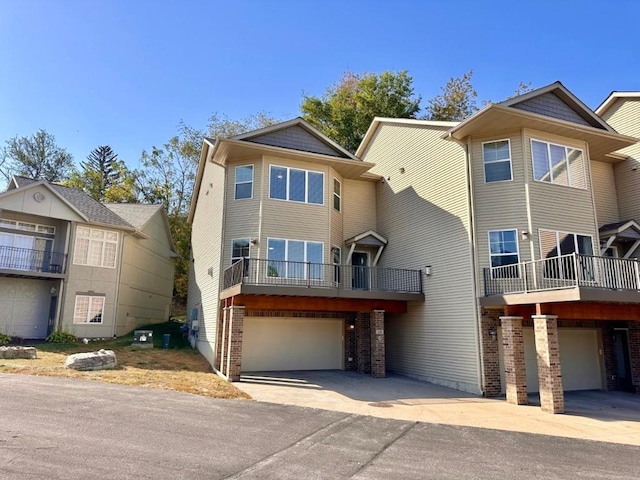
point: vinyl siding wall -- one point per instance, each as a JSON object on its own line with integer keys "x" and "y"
{"x": 146, "y": 282}
{"x": 624, "y": 116}
{"x": 424, "y": 214}
{"x": 359, "y": 207}
{"x": 604, "y": 192}
{"x": 206, "y": 251}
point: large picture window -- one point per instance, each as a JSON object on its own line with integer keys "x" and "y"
{"x": 496, "y": 157}
{"x": 503, "y": 252}
{"x": 558, "y": 164}
{"x": 95, "y": 247}
{"x": 555, "y": 248}
{"x": 290, "y": 258}
{"x": 244, "y": 182}
{"x": 296, "y": 185}
{"x": 88, "y": 309}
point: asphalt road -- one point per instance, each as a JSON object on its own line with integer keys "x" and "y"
{"x": 72, "y": 429}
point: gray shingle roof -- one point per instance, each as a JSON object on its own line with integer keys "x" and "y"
{"x": 90, "y": 208}
{"x": 135, "y": 213}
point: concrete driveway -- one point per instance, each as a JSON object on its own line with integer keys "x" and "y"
{"x": 592, "y": 415}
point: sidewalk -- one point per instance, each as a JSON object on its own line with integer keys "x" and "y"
{"x": 593, "y": 415}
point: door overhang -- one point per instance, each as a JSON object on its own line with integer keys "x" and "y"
{"x": 368, "y": 239}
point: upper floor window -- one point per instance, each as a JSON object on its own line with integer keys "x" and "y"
{"x": 496, "y": 157}
{"x": 88, "y": 309}
{"x": 26, "y": 226}
{"x": 291, "y": 259}
{"x": 95, "y": 247}
{"x": 336, "y": 194}
{"x": 239, "y": 249}
{"x": 503, "y": 252}
{"x": 296, "y": 185}
{"x": 558, "y": 164}
{"x": 244, "y": 182}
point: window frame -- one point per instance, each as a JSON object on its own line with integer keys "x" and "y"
{"x": 90, "y": 239}
{"x": 338, "y": 195}
{"x": 286, "y": 258}
{"x": 567, "y": 165}
{"x": 288, "y": 185}
{"x": 91, "y": 300}
{"x": 491, "y": 255}
{"x": 19, "y": 225}
{"x": 575, "y": 242}
{"x": 236, "y": 183}
{"x": 232, "y": 247}
{"x": 510, "y": 160}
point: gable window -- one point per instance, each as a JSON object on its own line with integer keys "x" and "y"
{"x": 291, "y": 259}
{"x": 244, "y": 182}
{"x": 95, "y": 247}
{"x": 239, "y": 249}
{"x": 88, "y": 309}
{"x": 336, "y": 194}
{"x": 296, "y": 185}
{"x": 496, "y": 157}
{"x": 558, "y": 164}
{"x": 503, "y": 253}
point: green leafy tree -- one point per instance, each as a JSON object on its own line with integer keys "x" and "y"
{"x": 36, "y": 156}
{"x": 346, "y": 110}
{"x": 105, "y": 178}
{"x": 456, "y": 102}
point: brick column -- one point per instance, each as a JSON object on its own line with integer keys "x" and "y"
{"x": 378, "y": 368}
{"x": 545, "y": 328}
{"x": 634, "y": 354}
{"x": 219, "y": 338}
{"x": 350, "y": 349}
{"x": 514, "y": 369}
{"x": 612, "y": 381}
{"x": 363, "y": 342}
{"x": 489, "y": 321}
{"x": 234, "y": 360}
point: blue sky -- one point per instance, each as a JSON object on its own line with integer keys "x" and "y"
{"x": 125, "y": 73}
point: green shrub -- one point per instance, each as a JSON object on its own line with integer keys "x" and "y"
{"x": 61, "y": 337}
{"x": 4, "y": 339}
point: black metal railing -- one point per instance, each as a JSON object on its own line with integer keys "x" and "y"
{"x": 254, "y": 271}
{"x": 565, "y": 271}
{"x": 29, "y": 260}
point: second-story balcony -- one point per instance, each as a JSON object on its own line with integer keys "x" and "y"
{"x": 571, "y": 277}
{"x": 275, "y": 277}
{"x": 28, "y": 262}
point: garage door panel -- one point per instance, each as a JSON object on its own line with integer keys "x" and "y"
{"x": 24, "y": 307}
{"x": 271, "y": 344}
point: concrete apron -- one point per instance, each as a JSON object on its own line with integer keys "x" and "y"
{"x": 602, "y": 416}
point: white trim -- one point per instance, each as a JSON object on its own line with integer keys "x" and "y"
{"x": 248, "y": 239}
{"x": 305, "y": 258}
{"x": 566, "y": 162}
{"x": 236, "y": 183}
{"x": 517, "y": 253}
{"x": 633, "y": 248}
{"x": 484, "y": 162}
{"x": 339, "y": 195}
{"x": 364, "y": 235}
{"x": 611, "y": 99}
{"x": 103, "y": 240}
{"x": 288, "y": 186}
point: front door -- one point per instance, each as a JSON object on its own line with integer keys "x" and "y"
{"x": 360, "y": 262}
{"x": 623, "y": 362}
{"x": 52, "y": 315}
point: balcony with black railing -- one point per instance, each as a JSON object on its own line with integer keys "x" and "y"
{"x": 276, "y": 277}
{"x": 566, "y": 277}
{"x": 15, "y": 260}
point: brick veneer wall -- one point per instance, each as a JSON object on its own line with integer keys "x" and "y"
{"x": 514, "y": 364}
{"x": 634, "y": 350}
{"x": 363, "y": 342}
{"x": 490, "y": 320}
{"x": 378, "y": 368}
{"x": 236, "y": 320}
{"x": 549, "y": 372}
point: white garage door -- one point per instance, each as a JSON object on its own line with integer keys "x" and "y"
{"x": 579, "y": 359}
{"x": 271, "y": 344}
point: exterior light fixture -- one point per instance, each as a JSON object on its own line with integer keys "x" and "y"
{"x": 54, "y": 290}
{"x": 493, "y": 333}
{"x": 427, "y": 270}
{"x": 524, "y": 235}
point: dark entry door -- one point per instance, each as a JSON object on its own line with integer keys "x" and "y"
{"x": 52, "y": 314}
{"x": 360, "y": 262}
{"x": 623, "y": 362}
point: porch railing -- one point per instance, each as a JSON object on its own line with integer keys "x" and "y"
{"x": 29, "y": 260}
{"x": 565, "y": 271}
{"x": 254, "y": 271}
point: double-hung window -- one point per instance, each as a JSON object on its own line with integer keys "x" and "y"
{"x": 504, "y": 255}
{"x": 296, "y": 185}
{"x": 95, "y": 247}
{"x": 558, "y": 164}
{"x": 88, "y": 309}
{"x": 294, "y": 259}
{"x": 496, "y": 157}
{"x": 337, "y": 194}
{"x": 244, "y": 182}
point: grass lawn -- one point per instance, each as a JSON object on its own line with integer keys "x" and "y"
{"x": 179, "y": 368}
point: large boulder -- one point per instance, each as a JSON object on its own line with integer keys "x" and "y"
{"x": 102, "y": 360}
{"x": 18, "y": 352}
